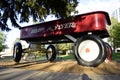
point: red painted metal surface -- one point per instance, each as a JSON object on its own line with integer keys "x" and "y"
{"x": 93, "y": 21}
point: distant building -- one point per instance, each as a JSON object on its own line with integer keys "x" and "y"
{"x": 116, "y": 14}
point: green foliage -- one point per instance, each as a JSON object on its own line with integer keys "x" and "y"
{"x": 115, "y": 33}
{"x": 64, "y": 46}
{"x": 2, "y": 41}
{"x": 22, "y": 10}
{"x": 16, "y": 40}
{"x": 116, "y": 56}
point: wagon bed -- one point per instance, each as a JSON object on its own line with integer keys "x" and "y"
{"x": 77, "y": 26}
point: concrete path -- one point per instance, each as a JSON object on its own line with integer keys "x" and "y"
{"x": 23, "y": 74}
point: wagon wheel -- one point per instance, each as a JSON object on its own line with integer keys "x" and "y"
{"x": 51, "y": 53}
{"x": 17, "y": 52}
{"x": 90, "y": 51}
{"x": 109, "y": 52}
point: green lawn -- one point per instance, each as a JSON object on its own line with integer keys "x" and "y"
{"x": 116, "y": 56}
{"x": 65, "y": 57}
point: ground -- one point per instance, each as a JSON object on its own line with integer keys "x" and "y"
{"x": 66, "y": 66}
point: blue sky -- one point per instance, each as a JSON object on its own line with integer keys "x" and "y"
{"x": 83, "y": 7}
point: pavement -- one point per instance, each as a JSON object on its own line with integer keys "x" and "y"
{"x": 23, "y": 74}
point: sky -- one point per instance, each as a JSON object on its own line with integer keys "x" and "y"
{"x": 83, "y": 7}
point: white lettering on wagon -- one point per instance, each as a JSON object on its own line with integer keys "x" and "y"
{"x": 37, "y": 30}
{"x": 62, "y": 26}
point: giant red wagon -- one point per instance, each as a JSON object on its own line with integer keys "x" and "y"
{"x": 85, "y": 30}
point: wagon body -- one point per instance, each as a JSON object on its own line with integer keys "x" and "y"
{"x": 86, "y": 31}
{"x": 77, "y": 26}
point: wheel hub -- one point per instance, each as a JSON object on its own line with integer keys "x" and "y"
{"x": 88, "y": 50}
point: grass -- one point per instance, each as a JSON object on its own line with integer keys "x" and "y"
{"x": 116, "y": 56}
{"x": 6, "y": 58}
{"x": 65, "y": 57}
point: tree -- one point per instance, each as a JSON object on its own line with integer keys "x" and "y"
{"x": 64, "y": 46}
{"x": 115, "y": 33}
{"x": 2, "y": 41}
{"x": 16, "y": 40}
{"x": 21, "y": 10}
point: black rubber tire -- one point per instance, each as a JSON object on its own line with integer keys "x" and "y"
{"x": 101, "y": 52}
{"x": 17, "y": 52}
{"x": 109, "y": 51}
{"x": 53, "y": 55}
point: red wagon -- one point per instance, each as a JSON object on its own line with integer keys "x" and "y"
{"x": 86, "y": 31}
